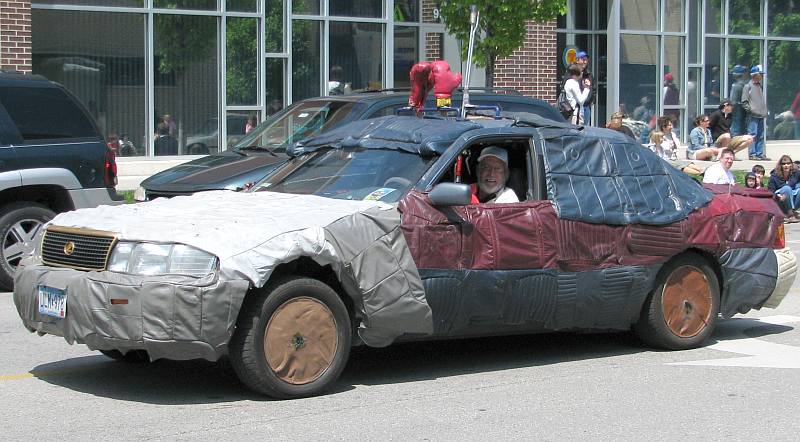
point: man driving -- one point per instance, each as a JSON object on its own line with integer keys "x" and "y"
{"x": 492, "y": 177}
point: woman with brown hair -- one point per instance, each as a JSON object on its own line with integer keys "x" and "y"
{"x": 783, "y": 182}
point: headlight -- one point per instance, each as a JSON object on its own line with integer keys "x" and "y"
{"x": 159, "y": 259}
{"x": 140, "y": 194}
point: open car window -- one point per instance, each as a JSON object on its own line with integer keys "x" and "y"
{"x": 353, "y": 174}
{"x": 519, "y": 165}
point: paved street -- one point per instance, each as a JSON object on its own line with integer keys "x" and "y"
{"x": 744, "y": 386}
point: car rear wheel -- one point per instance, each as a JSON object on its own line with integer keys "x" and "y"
{"x": 681, "y": 311}
{"x": 292, "y": 339}
{"x": 19, "y": 224}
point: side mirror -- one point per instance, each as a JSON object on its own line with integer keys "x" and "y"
{"x": 450, "y": 194}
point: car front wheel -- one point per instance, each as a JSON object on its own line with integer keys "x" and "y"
{"x": 19, "y": 224}
{"x": 681, "y": 311}
{"x": 292, "y": 339}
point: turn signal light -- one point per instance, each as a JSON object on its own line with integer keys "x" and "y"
{"x": 780, "y": 238}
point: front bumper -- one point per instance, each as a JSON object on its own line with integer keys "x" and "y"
{"x": 169, "y": 316}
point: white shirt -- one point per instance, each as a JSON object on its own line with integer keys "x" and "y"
{"x": 716, "y": 174}
{"x": 572, "y": 89}
{"x": 507, "y": 195}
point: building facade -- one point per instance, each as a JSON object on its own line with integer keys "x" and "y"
{"x": 203, "y": 67}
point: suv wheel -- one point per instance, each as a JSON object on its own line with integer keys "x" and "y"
{"x": 19, "y": 224}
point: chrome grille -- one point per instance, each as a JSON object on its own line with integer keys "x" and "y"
{"x": 90, "y": 248}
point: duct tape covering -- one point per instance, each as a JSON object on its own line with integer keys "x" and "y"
{"x": 608, "y": 180}
{"x": 171, "y": 316}
{"x": 750, "y": 276}
{"x": 422, "y": 136}
{"x": 252, "y": 233}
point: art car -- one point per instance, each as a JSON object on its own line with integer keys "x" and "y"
{"x": 369, "y": 235}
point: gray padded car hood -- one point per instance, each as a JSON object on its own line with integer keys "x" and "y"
{"x": 253, "y": 233}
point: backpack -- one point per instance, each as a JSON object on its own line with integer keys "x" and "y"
{"x": 562, "y": 103}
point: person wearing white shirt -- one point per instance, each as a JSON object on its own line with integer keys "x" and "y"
{"x": 492, "y": 177}
{"x": 720, "y": 173}
{"x": 573, "y": 92}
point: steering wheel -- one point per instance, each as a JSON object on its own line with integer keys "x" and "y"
{"x": 399, "y": 182}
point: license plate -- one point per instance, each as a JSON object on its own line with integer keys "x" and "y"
{"x": 52, "y": 302}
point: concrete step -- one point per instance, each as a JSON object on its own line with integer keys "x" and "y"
{"x": 131, "y": 171}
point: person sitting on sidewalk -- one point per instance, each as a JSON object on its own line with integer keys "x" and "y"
{"x": 783, "y": 182}
{"x": 750, "y": 180}
{"x": 701, "y": 143}
{"x": 720, "y": 126}
{"x": 720, "y": 173}
{"x": 758, "y": 171}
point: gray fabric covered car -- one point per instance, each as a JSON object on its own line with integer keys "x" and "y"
{"x": 367, "y": 235}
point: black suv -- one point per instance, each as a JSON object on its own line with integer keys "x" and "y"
{"x": 52, "y": 159}
{"x": 260, "y": 151}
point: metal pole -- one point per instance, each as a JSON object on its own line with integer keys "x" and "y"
{"x": 474, "y": 19}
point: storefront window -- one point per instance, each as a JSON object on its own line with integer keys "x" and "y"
{"x": 673, "y": 15}
{"x": 406, "y": 10}
{"x": 784, "y": 18}
{"x": 693, "y": 106}
{"x": 186, "y": 89}
{"x": 206, "y": 5}
{"x": 783, "y": 89}
{"x": 673, "y": 79}
{"x": 406, "y": 53}
{"x": 639, "y": 14}
{"x": 638, "y": 71}
{"x": 744, "y": 52}
{"x": 306, "y": 59}
{"x": 578, "y": 16}
{"x": 713, "y": 16}
{"x": 694, "y": 38}
{"x": 307, "y": 7}
{"x": 106, "y": 70}
{"x": 242, "y": 60}
{"x": 713, "y": 73}
{"x": 356, "y": 57}
{"x": 744, "y": 17}
{"x": 273, "y": 26}
{"x": 356, "y": 8}
{"x": 275, "y": 79}
{"x": 242, "y": 5}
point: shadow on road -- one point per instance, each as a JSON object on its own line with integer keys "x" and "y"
{"x": 202, "y": 382}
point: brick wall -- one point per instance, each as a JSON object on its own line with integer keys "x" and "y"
{"x": 531, "y": 69}
{"x": 15, "y": 35}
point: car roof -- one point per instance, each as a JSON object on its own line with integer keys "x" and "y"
{"x": 17, "y": 79}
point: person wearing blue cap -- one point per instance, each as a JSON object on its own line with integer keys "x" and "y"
{"x": 587, "y": 82}
{"x": 755, "y": 107}
{"x": 738, "y": 123}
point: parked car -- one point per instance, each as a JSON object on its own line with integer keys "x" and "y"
{"x": 260, "y": 151}
{"x": 368, "y": 236}
{"x": 52, "y": 159}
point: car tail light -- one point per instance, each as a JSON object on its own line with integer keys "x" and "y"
{"x": 780, "y": 238}
{"x": 110, "y": 169}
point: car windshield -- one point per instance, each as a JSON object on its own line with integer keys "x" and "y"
{"x": 297, "y": 122}
{"x": 362, "y": 174}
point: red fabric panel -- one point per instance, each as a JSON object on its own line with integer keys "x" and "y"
{"x": 529, "y": 235}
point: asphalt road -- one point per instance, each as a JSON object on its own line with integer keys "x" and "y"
{"x": 745, "y": 385}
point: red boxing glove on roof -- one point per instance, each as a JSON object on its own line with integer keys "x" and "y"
{"x": 420, "y": 76}
{"x": 444, "y": 81}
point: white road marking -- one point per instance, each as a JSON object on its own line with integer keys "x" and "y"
{"x": 760, "y": 354}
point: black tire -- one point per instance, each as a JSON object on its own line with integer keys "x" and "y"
{"x": 681, "y": 311}
{"x": 132, "y": 357}
{"x": 292, "y": 339}
{"x": 19, "y": 224}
